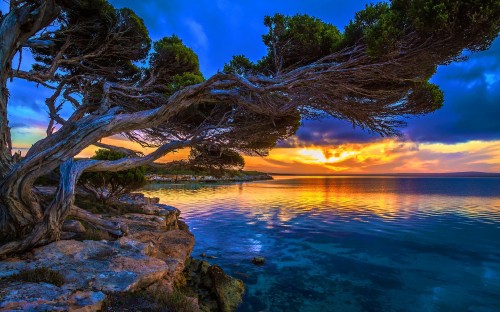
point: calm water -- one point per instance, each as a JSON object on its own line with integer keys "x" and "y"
{"x": 351, "y": 243}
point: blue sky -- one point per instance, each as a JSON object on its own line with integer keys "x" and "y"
{"x": 217, "y": 30}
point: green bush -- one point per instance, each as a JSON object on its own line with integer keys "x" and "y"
{"x": 105, "y": 185}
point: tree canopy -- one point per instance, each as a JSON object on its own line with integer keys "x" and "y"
{"x": 100, "y": 60}
{"x": 215, "y": 160}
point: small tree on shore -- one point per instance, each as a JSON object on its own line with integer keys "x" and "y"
{"x": 215, "y": 160}
{"x": 373, "y": 74}
{"x": 106, "y": 185}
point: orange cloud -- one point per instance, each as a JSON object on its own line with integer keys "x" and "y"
{"x": 385, "y": 156}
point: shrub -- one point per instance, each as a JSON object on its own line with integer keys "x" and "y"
{"x": 106, "y": 185}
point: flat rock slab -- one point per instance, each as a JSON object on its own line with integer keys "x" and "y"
{"x": 96, "y": 265}
{"x": 48, "y": 297}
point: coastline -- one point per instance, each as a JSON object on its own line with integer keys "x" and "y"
{"x": 150, "y": 266}
{"x": 174, "y": 178}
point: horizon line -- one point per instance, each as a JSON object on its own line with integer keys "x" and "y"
{"x": 454, "y": 174}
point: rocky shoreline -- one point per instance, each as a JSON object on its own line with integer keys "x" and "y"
{"x": 151, "y": 264}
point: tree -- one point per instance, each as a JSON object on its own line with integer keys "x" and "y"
{"x": 373, "y": 75}
{"x": 215, "y": 159}
{"x": 105, "y": 185}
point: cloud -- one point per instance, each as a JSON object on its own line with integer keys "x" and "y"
{"x": 382, "y": 156}
{"x": 472, "y": 96}
{"x": 198, "y": 33}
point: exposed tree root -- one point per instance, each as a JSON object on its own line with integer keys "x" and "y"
{"x": 115, "y": 228}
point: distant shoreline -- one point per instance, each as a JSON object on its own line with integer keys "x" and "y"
{"x": 175, "y": 178}
{"x": 430, "y": 175}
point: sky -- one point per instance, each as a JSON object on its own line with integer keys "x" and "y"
{"x": 462, "y": 136}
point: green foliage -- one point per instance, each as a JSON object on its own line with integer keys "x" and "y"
{"x": 39, "y": 275}
{"x": 172, "y": 58}
{"x": 376, "y": 25}
{"x": 105, "y": 184}
{"x": 240, "y": 65}
{"x": 109, "y": 38}
{"x": 294, "y": 41}
{"x": 364, "y": 20}
{"x": 184, "y": 80}
{"x": 474, "y": 24}
{"x": 425, "y": 98}
{"x": 215, "y": 159}
{"x": 471, "y": 24}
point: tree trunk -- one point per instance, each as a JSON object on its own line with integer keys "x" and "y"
{"x": 5, "y": 141}
{"x": 46, "y": 227}
{"x": 25, "y": 226}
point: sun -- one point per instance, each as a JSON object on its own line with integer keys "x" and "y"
{"x": 324, "y": 156}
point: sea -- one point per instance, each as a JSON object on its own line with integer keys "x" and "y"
{"x": 350, "y": 243}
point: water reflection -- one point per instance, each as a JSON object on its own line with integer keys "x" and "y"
{"x": 352, "y": 243}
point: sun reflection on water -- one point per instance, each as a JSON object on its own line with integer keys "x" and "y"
{"x": 351, "y": 243}
{"x": 342, "y": 198}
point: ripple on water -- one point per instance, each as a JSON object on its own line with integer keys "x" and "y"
{"x": 352, "y": 243}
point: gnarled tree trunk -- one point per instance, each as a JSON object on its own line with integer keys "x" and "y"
{"x": 19, "y": 207}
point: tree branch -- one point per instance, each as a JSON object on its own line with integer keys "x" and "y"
{"x": 119, "y": 149}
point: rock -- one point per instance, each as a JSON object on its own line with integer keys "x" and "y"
{"x": 98, "y": 266}
{"x": 153, "y": 257}
{"x": 48, "y": 297}
{"x": 160, "y": 210}
{"x": 83, "y": 301}
{"x": 229, "y": 290}
{"x": 216, "y": 290}
{"x": 172, "y": 246}
{"x": 73, "y": 226}
{"x": 258, "y": 260}
{"x": 136, "y": 222}
{"x": 169, "y": 213}
{"x": 182, "y": 226}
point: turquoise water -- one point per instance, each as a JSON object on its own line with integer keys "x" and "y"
{"x": 351, "y": 243}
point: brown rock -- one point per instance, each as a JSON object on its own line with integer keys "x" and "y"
{"x": 229, "y": 290}
{"x": 99, "y": 266}
{"x": 217, "y": 291}
{"x": 174, "y": 247}
{"x": 48, "y": 297}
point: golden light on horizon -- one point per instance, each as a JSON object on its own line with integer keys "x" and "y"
{"x": 383, "y": 156}
{"x": 319, "y": 195}
{"x": 324, "y": 156}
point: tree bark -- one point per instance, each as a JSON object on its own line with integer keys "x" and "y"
{"x": 48, "y": 227}
{"x": 108, "y": 226}
{"x": 19, "y": 207}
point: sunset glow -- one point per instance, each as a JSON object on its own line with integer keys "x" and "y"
{"x": 385, "y": 156}
{"x": 461, "y": 136}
